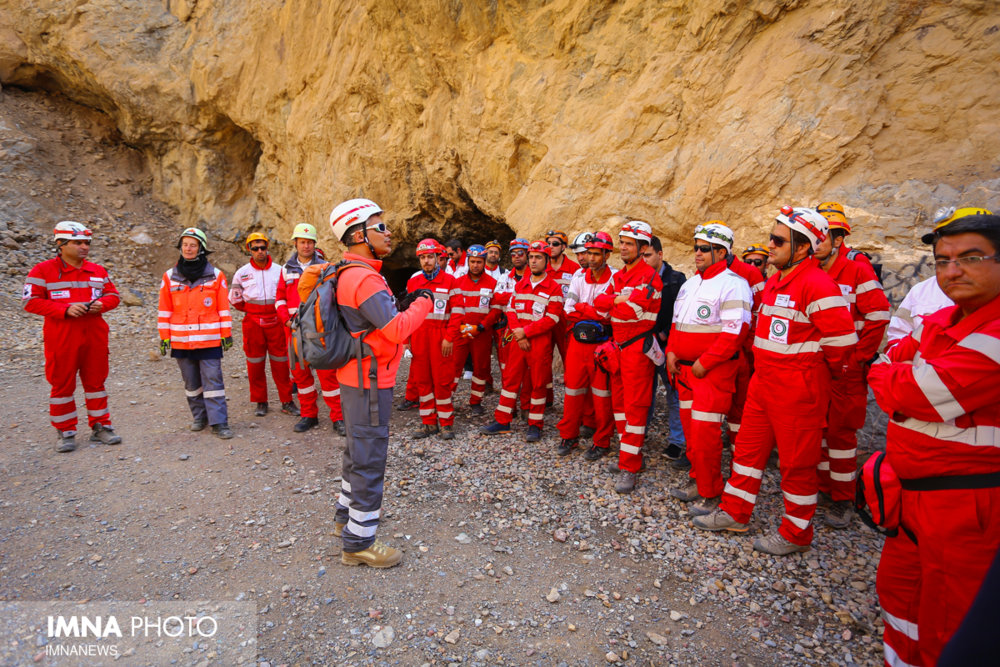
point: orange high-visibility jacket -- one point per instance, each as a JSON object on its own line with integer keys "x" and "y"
{"x": 194, "y": 315}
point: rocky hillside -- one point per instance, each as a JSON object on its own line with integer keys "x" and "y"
{"x": 487, "y": 118}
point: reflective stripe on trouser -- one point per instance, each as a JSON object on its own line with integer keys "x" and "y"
{"x": 633, "y": 389}
{"x": 528, "y": 368}
{"x": 926, "y": 589}
{"x": 796, "y": 426}
{"x": 260, "y": 342}
{"x": 673, "y": 407}
{"x": 839, "y": 463}
{"x": 363, "y": 474}
{"x": 584, "y": 383}
{"x": 735, "y": 416}
{"x": 328, "y": 385}
{"x": 70, "y": 349}
{"x": 560, "y": 341}
{"x": 710, "y": 399}
{"x": 205, "y": 389}
{"x": 479, "y": 349}
{"x": 433, "y": 373}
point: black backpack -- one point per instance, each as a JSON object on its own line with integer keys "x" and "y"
{"x": 320, "y": 337}
{"x": 853, "y": 256}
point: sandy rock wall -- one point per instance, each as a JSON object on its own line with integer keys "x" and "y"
{"x": 475, "y": 119}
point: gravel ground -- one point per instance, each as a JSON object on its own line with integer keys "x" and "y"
{"x": 512, "y": 555}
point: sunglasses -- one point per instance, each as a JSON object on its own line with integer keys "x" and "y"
{"x": 379, "y": 227}
{"x": 756, "y": 262}
{"x": 258, "y": 248}
{"x": 555, "y": 244}
{"x": 778, "y": 241}
{"x": 702, "y": 248}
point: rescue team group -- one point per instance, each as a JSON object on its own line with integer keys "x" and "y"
{"x": 784, "y": 360}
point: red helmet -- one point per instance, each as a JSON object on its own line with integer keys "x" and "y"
{"x": 600, "y": 241}
{"x": 540, "y": 247}
{"x": 428, "y": 247}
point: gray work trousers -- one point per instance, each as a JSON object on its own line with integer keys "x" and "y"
{"x": 206, "y": 393}
{"x": 363, "y": 474}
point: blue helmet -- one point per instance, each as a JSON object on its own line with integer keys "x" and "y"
{"x": 476, "y": 251}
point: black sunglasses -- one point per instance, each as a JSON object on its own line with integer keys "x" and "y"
{"x": 756, "y": 262}
{"x": 702, "y": 248}
{"x": 555, "y": 244}
{"x": 778, "y": 241}
{"x": 257, "y": 248}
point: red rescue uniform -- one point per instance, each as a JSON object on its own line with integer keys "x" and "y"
{"x": 472, "y": 306}
{"x": 429, "y": 368}
{"x": 710, "y": 325}
{"x": 287, "y": 305}
{"x": 804, "y": 333}
{"x": 534, "y": 307}
{"x": 942, "y": 395}
{"x": 584, "y": 381}
{"x": 754, "y": 278}
{"x": 563, "y": 275}
{"x": 254, "y": 292}
{"x": 632, "y": 384}
{"x": 73, "y": 345}
{"x": 849, "y": 394}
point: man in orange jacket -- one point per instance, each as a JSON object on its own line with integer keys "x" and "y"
{"x": 369, "y": 310}
{"x": 71, "y": 293}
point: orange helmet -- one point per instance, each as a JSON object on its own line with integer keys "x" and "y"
{"x": 834, "y": 214}
{"x": 256, "y": 236}
{"x": 557, "y": 234}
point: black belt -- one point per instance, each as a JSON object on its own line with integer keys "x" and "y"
{"x": 987, "y": 480}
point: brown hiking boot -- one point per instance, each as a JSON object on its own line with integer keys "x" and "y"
{"x": 105, "y": 434}
{"x": 686, "y": 493}
{"x": 704, "y": 506}
{"x": 338, "y": 529}
{"x": 66, "y": 442}
{"x": 626, "y": 481}
{"x": 377, "y": 555}
{"x": 720, "y": 520}
{"x": 776, "y": 545}
{"x": 839, "y": 514}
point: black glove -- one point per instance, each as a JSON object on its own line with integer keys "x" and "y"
{"x": 407, "y": 300}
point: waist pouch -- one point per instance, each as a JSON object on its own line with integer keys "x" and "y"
{"x": 608, "y": 357}
{"x": 589, "y": 331}
{"x": 651, "y": 348}
{"x": 879, "y": 495}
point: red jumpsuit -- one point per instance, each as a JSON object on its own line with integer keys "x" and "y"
{"x": 560, "y": 334}
{"x": 534, "y": 307}
{"x": 253, "y": 292}
{"x": 804, "y": 332}
{"x": 286, "y": 303}
{"x": 849, "y": 395}
{"x": 711, "y": 322}
{"x": 72, "y": 344}
{"x": 584, "y": 381}
{"x": 945, "y": 421}
{"x": 429, "y": 368}
{"x": 473, "y": 305}
{"x": 503, "y": 294}
{"x": 632, "y": 385}
{"x": 754, "y": 278}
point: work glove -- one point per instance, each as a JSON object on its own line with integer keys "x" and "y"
{"x": 164, "y": 347}
{"x": 227, "y": 343}
{"x": 409, "y": 298}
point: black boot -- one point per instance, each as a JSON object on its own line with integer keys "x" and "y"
{"x": 305, "y": 424}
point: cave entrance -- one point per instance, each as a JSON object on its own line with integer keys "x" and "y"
{"x": 469, "y": 225}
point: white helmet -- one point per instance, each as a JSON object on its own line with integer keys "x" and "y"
{"x": 304, "y": 230}
{"x": 67, "y": 230}
{"x": 806, "y": 221}
{"x": 715, "y": 232}
{"x": 351, "y": 212}
{"x": 638, "y": 230}
{"x": 578, "y": 244}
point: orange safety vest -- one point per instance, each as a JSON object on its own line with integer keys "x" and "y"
{"x": 194, "y": 315}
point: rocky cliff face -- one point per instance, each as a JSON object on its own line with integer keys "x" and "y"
{"x": 475, "y": 119}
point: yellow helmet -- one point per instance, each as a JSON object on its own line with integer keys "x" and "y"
{"x": 834, "y": 214}
{"x": 256, "y": 236}
{"x": 304, "y": 230}
{"x": 948, "y": 215}
{"x": 755, "y": 249}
